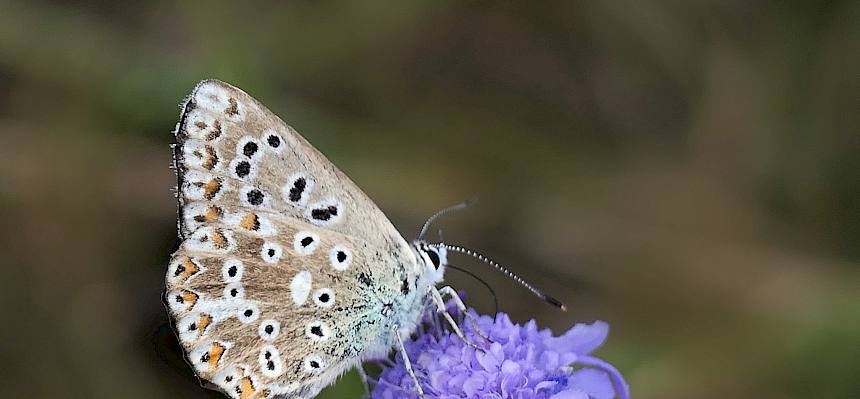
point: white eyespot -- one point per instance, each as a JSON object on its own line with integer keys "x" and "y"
{"x": 197, "y": 214}
{"x": 207, "y": 356}
{"x": 242, "y": 169}
{"x": 201, "y": 125}
{"x": 269, "y": 329}
{"x": 215, "y": 98}
{"x": 270, "y": 362}
{"x": 249, "y": 148}
{"x": 182, "y": 300}
{"x": 305, "y": 242}
{"x": 298, "y": 189}
{"x": 300, "y": 287}
{"x": 234, "y": 291}
{"x": 248, "y": 313}
{"x": 271, "y": 252}
{"x": 324, "y": 297}
{"x": 340, "y": 257}
{"x": 232, "y": 270}
{"x": 211, "y": 239}
{"x": 317, "y": 331}
{"x": 184, "y": 268}
{"x": 314, "y": 364}
{"x": 325, "y": 213}
{"x": 229, "y": 376}
{"x": 273, "y": 141}
{"x": 199, "y": 186}
{"x": 194, "y": 325}
{"x": 197, "y": 154}
{"x": 254, "y": 197}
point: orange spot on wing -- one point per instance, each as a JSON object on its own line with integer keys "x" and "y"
{"x": 204, "y": 321}
{"x": 215, "y": 354}
{"x": 219, "y": 239}
{"x": 233, "y": 109}
{"x": 189, "y": 298}
{"x": 246, "y": 389}
{"x": 186, "y": 269}
{"x": 215, "y": 132}
{"x": 211, "y": 158}
{"x": 211, "y": 188}
{"x": 210, "y": 215}
{"x": 250, "y": 221}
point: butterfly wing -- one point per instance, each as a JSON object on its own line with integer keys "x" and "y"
{"x": 274, "y": 271}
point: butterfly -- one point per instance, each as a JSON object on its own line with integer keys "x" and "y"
{"x": 288, "y": 275}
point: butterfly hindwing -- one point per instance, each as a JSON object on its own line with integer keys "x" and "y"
{"x": 282, "y": 254}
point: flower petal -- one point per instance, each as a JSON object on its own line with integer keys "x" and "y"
{"x": 581, "y": 339}
{"x": 570, "y": 394}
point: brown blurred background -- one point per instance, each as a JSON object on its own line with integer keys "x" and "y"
{"x": 687, "y": 171}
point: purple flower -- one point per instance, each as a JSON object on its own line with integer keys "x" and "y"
{"x": 522, "y": 362}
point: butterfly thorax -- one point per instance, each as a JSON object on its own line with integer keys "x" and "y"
{"x": 398, "y": 299}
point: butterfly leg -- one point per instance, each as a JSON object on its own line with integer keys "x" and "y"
{"x": 407, "y": 363}
{"x": 363, "y": 375}
{"x": 440, "y": 307}
{"x": 448, "y": 290}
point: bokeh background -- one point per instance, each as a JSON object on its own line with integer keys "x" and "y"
{"x": 688, "y": 171}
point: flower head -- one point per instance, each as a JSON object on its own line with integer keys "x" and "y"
{"x": 521, "y": 362}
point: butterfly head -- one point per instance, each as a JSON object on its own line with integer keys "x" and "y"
{"x": 435, "y": 259}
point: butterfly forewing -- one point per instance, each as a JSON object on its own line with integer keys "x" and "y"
{"x": 281, "y": 255}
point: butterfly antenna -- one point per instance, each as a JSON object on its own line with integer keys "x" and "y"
{"x": 486, "y": 284}
{"x": 540, "y": 294}
{"x": 443, "y": 212}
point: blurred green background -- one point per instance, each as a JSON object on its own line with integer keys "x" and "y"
{"x": 687, "y": 171}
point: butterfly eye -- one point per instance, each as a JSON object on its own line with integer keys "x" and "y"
{"x": 434, "y": 257}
